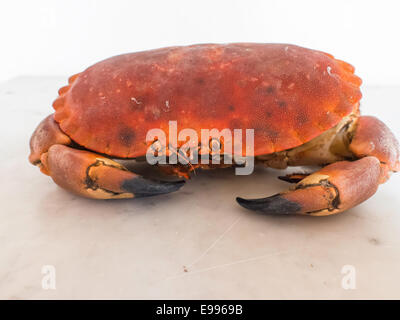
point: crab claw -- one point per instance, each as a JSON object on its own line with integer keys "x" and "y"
{"x": 93, "y": 176}
{"x": 333, "y": 189}
{"x": 87, "y": 173}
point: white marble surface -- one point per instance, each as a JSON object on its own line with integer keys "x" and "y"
{"x": 141, "y": 248}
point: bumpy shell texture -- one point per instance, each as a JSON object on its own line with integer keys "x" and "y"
{"x": 287, "y": 94}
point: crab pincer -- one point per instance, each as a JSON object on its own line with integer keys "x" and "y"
{"x": 87, "y": 173}
{"x": 341, "y": 185}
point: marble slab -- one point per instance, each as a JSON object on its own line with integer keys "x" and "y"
{"x": 193, "y": 244}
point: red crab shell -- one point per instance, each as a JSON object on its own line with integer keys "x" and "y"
{"x": 287, "y": 94}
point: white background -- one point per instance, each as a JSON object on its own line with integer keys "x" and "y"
{"x": 48, "y": 37}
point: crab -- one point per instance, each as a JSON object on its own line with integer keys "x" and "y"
{"x": 303, "y": 105}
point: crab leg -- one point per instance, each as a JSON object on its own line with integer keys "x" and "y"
{"x": 46, "y": 134}
{"x": 86, "y": 173}
{"x": 341, "y": 185}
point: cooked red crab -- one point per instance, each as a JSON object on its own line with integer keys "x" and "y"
{"x": 302, "y": 104}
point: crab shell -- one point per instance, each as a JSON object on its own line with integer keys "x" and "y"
{"x": 287, "y": 94}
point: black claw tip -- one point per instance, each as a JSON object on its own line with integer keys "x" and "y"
{"x": 288, "y": 179}
{"x": 292, "y": 178}
{"x": 275, "y": 205}
{"x": 142, "y": 187}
